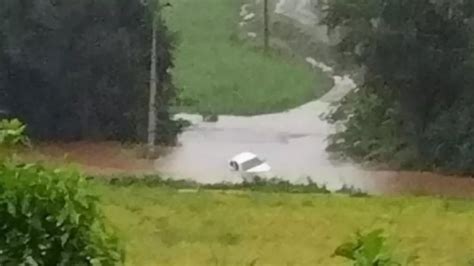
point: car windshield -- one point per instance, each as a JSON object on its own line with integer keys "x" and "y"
{"x": 251, "y": 163}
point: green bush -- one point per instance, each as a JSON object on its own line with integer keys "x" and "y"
{"x": 48, "y": 217}
{"x": 367, "y": 250}
{"x": 12, "y": 132}
{"x": 273, "y": 185}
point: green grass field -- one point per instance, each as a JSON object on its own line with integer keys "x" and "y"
{"x": 220, "y": 74}
{"x": 162, "y": 226}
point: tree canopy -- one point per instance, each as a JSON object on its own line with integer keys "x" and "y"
{"x": 418, "y": 57}
{"x": 80, "y": 69}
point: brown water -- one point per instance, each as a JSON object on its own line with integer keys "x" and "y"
{"x": 293, "y": 143}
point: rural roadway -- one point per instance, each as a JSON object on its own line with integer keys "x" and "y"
{"x": 292, "y": 142}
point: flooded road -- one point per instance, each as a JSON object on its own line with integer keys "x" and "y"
{"x": 294, "y": 144}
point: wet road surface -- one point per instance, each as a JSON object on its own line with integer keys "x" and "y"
{"x": 293, "y": 143}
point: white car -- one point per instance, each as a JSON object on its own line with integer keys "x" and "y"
{"x": 249, "y": 166}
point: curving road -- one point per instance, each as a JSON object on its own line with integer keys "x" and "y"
{"x": 299, "y": 10}
{"x": 293, "y": 143}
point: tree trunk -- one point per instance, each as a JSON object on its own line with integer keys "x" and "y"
{"x": 152, "y": 103}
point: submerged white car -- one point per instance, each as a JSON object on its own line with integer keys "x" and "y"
{"x": 249, "y": 166}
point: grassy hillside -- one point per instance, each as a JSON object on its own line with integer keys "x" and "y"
{"x": 220, "y": 74}
{"x": 165, "y": 226}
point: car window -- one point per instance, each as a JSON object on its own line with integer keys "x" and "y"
{"x": 251, "y": 163}
{"x": 234, "y": 166}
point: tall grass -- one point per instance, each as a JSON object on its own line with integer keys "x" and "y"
{"x": 168, "y": 226}
{"x": 220, "y": 74}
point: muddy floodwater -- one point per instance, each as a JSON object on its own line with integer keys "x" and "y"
{"x": 292, "y": 142}
{"x": 294, "y": 145}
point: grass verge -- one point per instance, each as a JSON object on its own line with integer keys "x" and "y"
{"x": 220, "y": 74}
{"x": 166, "y": 224}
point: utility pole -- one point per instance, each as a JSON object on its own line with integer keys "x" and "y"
{"x": 152, "y": 106}
{"x": 152, "y": 114}
{"x": 266, "y": 30}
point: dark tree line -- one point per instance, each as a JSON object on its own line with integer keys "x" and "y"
{"x": 80, "y": 69}
{"x": 416, "y": 106}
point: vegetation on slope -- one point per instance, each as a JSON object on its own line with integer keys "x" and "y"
{"x": 219, "y": 74}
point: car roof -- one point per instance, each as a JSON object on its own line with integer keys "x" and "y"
{"x": 243, "y": 157}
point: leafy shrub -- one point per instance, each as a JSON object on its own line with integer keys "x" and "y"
{"x": 274, "y": 185}
{"x": 352, "y": 192}
{"x": 170, "y": 129}
{"x": 48, "y": 217}
{"x": 449, "y": 140}
{"x": 372, "y": 128}
{"x": 12, "y": 132}
{"x": 367, "y": 250}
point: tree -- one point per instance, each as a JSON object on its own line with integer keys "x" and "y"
{"x": 417, "y": 55}
{"x": 79, "y": 69}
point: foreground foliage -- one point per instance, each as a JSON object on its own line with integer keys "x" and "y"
{"x": 12, "y": 133}
{"x": 48, "y": 217}
{"x": 367, "y": 249}
{"x": 416, "y": 103}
